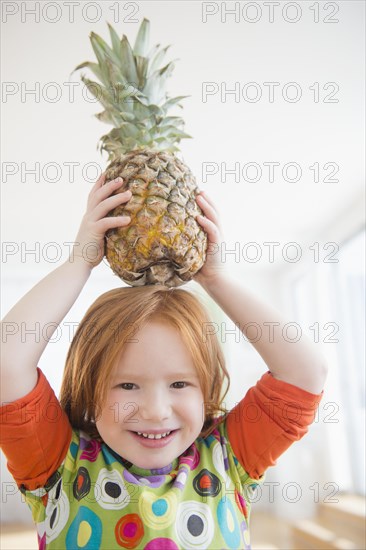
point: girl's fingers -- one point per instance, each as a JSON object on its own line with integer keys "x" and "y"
{"x": 208, "y": 210}
{"x": 110, "y": 223}
{"x": 109, "y": 203}
{"x": 98, "y": 194}
{"x": 208, "y": 200}
{"x": 100, "y": 181}
{"x": 210, "y": 228}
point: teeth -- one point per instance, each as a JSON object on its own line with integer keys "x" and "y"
{"x": 152, "y": 436}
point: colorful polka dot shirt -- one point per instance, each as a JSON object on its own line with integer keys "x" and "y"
{"x": 83, "y": 495}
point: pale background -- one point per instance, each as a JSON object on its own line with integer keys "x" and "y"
{"x": 315, "y": 292}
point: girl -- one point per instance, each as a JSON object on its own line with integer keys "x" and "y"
{"x": 139, "y": 452}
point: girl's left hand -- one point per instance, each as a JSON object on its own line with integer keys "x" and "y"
{"x": 214, "y": 265}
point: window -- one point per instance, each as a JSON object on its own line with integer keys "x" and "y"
{"x": 329, "y": 299}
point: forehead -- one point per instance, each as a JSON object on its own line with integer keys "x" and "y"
{"x": 154, "y": 348}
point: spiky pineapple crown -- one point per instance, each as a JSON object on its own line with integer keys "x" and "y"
{"x": 132, "y": 90}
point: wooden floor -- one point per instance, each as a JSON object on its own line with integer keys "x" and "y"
{"x": 17, "y": 537}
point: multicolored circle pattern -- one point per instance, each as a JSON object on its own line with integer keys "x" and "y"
{"x": 219, "y": 463}
{"x": 207, "y": 484}
{"x": 229, "y": 525}
{"x": 194, "y": 525}
{"x": 57, "y": 511}
{"x": 85, "y": 532}
{"x": 146, "y": 504}
{"x": 129, "y": 531}
{"x": 82, "y": 483}
{"x": 161, "y": 544}
{"x": 110, "y": 491}
{"x": 157, "y": 512}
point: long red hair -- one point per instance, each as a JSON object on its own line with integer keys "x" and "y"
{"x": 110, "y": 322}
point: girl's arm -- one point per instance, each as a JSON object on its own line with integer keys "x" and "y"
{"x": 298, "y": 363}
{"x": 47, "y": 303}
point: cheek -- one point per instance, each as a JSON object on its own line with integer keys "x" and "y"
{"x": 108, "y": 414}
{"x": 118, "y": 411}
{"x": 192, "y": 407}
{"x": 128, "y": 413}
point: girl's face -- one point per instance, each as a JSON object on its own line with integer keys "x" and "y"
{"x": 154, "y": 389}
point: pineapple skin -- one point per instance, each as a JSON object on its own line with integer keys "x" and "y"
{"x": 163, "y": 244}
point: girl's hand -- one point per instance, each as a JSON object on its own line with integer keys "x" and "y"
{"x": 213, "y": 266}
{"x": 89, "y": 243}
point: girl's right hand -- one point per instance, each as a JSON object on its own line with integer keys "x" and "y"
{"x": 89, "y": 242}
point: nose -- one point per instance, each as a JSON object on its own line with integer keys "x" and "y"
{"x": 155, "y": 406}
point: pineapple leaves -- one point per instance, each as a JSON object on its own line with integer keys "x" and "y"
{"x": 156, "y": 83}
{"x": 102, "y": 50}
{"x": 153, "y": 51}
{"x": 100, "y": 93}
{"x": 95, "y": 68}
{"x": 127, "y": 62}
{"x": 141, "y": 67}
{"x": 132, "y": 91}
{"x": 142, "y": 39}
{"x": 172, "y": 119}
{"x": 158, "y": 58}
{"x": 108, "y": 117}
{"x": 115, "y": 76}
{"x": 116, "y": 42}
{"x": 173, "y": 101}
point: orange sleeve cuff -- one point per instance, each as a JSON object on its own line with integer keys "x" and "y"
{"x": 272, "y": 415}
{"x": 35, "y": 434}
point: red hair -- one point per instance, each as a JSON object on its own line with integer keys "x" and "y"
{"x": 111, "y": 322}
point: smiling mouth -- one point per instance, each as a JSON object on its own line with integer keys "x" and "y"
{"x": 149, "y": 435}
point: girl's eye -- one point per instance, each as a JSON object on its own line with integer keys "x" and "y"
{"x": 126, "y": 386}
{"x": 179, "y": 385}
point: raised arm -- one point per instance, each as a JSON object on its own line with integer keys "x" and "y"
{"x": 47, "y": 303}
{"x": 298, "y": 363}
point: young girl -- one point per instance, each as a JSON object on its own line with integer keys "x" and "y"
{"x": 139, "y": 452}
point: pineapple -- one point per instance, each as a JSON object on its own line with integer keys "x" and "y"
{"x": 163, "y": 244}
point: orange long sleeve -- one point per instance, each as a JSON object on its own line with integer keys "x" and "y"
{"x": 35, "y": 434}
{"x": 272, "y": 415}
